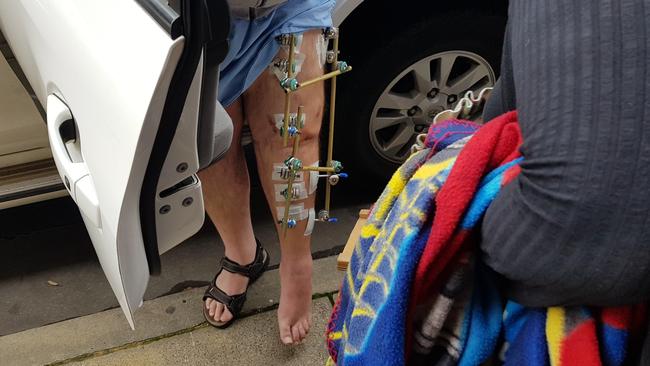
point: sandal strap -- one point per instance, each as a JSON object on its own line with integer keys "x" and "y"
{"x": 234, "y": 303}
{"x": 249, "y": 270}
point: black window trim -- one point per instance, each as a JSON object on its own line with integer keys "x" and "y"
{"x": 164, "y": 15}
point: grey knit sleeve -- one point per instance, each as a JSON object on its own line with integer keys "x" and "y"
{"x": 574, "y": 227}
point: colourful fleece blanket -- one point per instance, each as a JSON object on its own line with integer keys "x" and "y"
{"x": 368, "y": 322}
{"x": 413, "y": 290}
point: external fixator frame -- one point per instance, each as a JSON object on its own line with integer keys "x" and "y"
{"x": 333, "y": 169}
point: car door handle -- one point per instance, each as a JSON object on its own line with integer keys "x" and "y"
{"x": 69, "y": 160}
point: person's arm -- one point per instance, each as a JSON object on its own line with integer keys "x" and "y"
{"x": 574, "y": 227}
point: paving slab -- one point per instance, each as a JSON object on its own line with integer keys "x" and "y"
{"x": 48, "y": 242}
{"x": 251, "y": 341}
{"x": 159, "y": 317}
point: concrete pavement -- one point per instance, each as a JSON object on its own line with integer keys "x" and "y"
{"x": 170, "y": 330}
{"x": 48, "y": 242}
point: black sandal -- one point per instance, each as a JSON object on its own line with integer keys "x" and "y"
{"x": 234, "y": 303}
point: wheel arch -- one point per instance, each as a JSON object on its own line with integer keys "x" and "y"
{"x": 359, "y": 35}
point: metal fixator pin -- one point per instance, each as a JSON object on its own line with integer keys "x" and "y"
{"x": 285, "y": 39}
{"x": 291, "y": 223}
{"x": 295, "y": 193}
{"x": 341, "y": 175}
{"x": 292, "y": 131}
{"x": 283, "y": 64}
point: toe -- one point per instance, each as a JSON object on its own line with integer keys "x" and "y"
{"x": 306, "y": 325}
{"x": 226, "y": 315}
{"x": 285, "y": 334}
{"x": 218, "y": 311}
{"x": 302, "y": 331}
{"x": 212, "y": 309}
{"x": 295, "y": 334}
{"x": 208, "y": 301}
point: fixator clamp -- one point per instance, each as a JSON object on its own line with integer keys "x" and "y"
{"x": 324, "y": 216}
{"x": 294, "y": 164}
{"x": 289, "y": 84}
{"x": 336, "y": 166}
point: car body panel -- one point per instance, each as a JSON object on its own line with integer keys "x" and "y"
{"x": 107, "y": 66}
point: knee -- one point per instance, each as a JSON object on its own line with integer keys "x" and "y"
{"x": 311, "y": 131}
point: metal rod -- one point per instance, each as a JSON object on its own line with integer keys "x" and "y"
{"x": 287, "y": 96}
{"x": 296, "y": 144}
{"x": 287, "y": 204}
{"x": 325, "y": 169}
{"x": 296, "y": 139}
{"x": 330, "y": 142}
{"x": 329, "y": 75}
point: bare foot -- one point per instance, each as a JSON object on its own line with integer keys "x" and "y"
{"x": 294, "y": 313}
{"x": 231, "y": 284}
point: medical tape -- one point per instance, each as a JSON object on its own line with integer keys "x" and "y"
{"x": 310, "y": 222}
{"x": 279, "y": 120}
{"x": 313, "y": 179}
{"x": 321, "y": 49}
{"x": 296, "y": 212}
{"x": 298, "y": 191}
{"x": 281, "y": 173}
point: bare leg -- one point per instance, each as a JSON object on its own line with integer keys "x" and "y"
{"x": 226, "y": 189}
{"x": 264, "y": 99}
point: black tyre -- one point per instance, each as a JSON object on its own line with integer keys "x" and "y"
{"x": 393, "y": 92}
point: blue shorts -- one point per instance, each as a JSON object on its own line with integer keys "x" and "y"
{"x": 252, "y": 44}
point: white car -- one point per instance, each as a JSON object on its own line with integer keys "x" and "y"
{"x": 128, "y": 92}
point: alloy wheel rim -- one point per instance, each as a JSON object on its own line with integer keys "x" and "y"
{"x": 409, "y": 102}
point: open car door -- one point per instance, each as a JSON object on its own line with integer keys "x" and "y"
{"x": 129, "y": 89}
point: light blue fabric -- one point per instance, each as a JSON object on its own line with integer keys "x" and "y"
{"x": 252, "y": 44}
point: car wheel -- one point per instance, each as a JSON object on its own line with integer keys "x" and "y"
{"x": 393, "y": 93}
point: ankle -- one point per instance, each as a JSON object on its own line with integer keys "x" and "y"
{"x": 297, "y": 264}
{"x": 241, "y": 253}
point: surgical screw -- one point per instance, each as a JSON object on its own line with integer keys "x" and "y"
{"x": 412, "y": 111}
{"x": 165, "y": 209}
{"x": 343, "y": 66}
{"x": 188, "y": 201}
{"x": 331, "y": 33}
{"x": 330, "y": 57}
{"x": 452, "y": 99}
